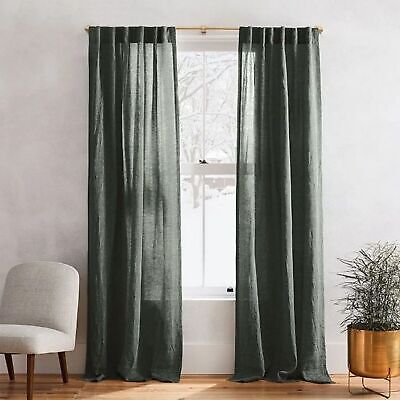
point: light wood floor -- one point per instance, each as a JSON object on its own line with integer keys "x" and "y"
{"x": 191, "y": 387}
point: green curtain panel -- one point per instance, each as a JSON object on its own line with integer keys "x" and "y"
{"x": 134, "y": 281}
{"x": 279, "y": 300}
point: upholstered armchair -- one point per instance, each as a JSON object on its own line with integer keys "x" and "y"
{"x": 38, "y": 314}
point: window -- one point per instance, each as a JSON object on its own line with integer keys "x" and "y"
{"x": 207, "y": 74}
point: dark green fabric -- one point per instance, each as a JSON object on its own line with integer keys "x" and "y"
{"x": 134, "y": 282}
{"x": 279, "y": 299}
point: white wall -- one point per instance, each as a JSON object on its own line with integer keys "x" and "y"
{"x": 43, "y": 138}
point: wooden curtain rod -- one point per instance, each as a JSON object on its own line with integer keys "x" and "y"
{"x": 204, "y": 29}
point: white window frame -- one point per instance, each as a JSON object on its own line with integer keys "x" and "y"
{"x": 211, "y": 41}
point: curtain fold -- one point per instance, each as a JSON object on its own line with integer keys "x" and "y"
{"x": 279, "y": 299}
{"x": 134, "y": 271}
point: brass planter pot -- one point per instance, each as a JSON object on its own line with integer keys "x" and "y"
{"x": 373, "y": 354}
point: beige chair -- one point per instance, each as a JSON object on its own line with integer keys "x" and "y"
{"x": 38, "y": 314}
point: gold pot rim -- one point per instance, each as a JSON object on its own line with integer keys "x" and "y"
{"x": 350, "y": 328}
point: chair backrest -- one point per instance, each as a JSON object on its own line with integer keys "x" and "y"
{"x": 41, "y": 294}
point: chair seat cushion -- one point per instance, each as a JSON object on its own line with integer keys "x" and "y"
{"x": 29, "y": 339}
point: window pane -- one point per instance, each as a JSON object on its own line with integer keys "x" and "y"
{"x": 217, "y": 98}
{"x": 221, "y": 104}
{"x": 190, "y": 84}
{"x": 220, "y": 230}
{"x": 192, "y": 231}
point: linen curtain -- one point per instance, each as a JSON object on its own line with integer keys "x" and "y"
{"x": 279, "y": 300}
{"x": 134, "y": 281}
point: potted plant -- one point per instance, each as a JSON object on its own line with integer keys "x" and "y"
{"x": 372, "y": 311}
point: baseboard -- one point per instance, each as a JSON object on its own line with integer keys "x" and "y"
{"x": 219, "y": 358}
{"x": 198, "y": 358}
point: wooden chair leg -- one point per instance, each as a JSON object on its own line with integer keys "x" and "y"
{"x": 10, "y": 366}
{"x": 63, "y": 366}
{"x": 30, "y": 370}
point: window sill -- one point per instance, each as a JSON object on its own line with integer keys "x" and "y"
{"x": 209, "y": 298}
